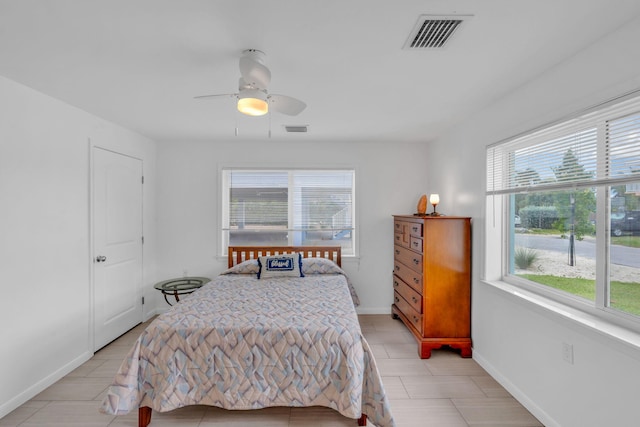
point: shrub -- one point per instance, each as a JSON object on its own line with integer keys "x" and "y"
{"x": 542, "y": 217}
{"x": 524, "y": 257}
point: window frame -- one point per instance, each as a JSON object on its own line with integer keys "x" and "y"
{"x": 223, "y": 200}
{"x": 499, "y": 209}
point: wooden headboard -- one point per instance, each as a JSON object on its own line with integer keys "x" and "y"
{"x": 238, "y": 254}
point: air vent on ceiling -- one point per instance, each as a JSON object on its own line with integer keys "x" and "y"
{"x": 433, "y": 31}
{"x": 302, "y": 128}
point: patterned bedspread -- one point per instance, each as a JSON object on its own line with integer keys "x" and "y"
{"x": 246, "y": 343}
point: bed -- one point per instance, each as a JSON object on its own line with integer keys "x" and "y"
{"x": 258, "y": 335}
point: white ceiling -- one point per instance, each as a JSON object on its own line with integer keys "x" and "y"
{"x": 139, "y": 63}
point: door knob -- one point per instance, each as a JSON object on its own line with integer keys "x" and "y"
{"x": 101, "y": 258}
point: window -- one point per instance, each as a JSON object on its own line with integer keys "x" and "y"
{"x": 288, "y": 207}
{"x": 568, "y": 199}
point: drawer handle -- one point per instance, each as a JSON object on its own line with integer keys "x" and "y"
{"x": 416, "y": 280}
{"x": 397, "y": 252}
{"x": 414, "y": 299}
{"x": 397, "y": 268}
{"x": 415, "y": 228}
{"x": 415, "y": 319}
{"x": 415, "y": 244}
{"x": 396, "y": 299}
{"x": 395, "y": 284}
{"x": 416, "y": 261}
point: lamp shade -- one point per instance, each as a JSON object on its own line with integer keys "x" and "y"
{"x": 434, "y": 199}
{"x": 253, "y": 102}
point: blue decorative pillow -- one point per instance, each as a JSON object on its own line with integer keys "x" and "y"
{"x": 285, "y": 265}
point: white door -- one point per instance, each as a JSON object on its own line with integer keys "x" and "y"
{"x": 117, "y": 244}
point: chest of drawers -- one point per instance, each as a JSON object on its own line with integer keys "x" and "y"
{"x": 432, "y": 280}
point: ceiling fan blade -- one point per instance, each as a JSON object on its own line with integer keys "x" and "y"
{"x": 253, "y": 70}
{"x": 286, "y": 104}
{"x": 219, "y": 95}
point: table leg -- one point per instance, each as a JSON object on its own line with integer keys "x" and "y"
{"x": 165, "y": 298}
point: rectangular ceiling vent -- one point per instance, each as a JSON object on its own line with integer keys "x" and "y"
{"x": 290, "y": 128}
{"x": 433, "y": 31}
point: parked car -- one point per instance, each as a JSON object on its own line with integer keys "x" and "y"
{"x": 627, "y": 223}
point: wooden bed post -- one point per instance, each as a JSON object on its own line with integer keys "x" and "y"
{"x": 362, "y": 421}
{"x": 144, "y": 416}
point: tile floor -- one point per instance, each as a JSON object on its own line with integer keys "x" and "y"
{"x": 443, "y": 391}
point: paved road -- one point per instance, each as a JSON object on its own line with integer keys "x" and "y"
{"x": 620, "y": 255}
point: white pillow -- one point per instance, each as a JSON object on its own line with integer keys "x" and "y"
{"x": 320, "y": 266}
{"x": 285, "y": 265}
{"x": 246, "y": 267}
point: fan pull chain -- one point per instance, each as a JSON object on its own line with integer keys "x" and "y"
{"x": 236, "y": 130}
{"x": 269, "y": 124}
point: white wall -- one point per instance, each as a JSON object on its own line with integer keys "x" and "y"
{"x": 389, "y": 180}
{"x": 519, "y": 343}
{"x": 44, "y": 236}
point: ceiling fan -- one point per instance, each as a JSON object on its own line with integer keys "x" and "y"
{"x": 252, "y": 95}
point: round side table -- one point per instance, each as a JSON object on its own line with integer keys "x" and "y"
{"x": 180, "y": 286}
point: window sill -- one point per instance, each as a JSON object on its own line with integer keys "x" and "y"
{"x": 626, "y": 340}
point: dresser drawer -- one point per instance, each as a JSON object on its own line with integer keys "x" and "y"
{"x": 402, "y": 239}
{"x": 415, "y": 243}
{"x": 408, "y": 293}
{"x": 413, "y": 316}
{"x": 415, "y": 229}
{"x": 408, "y": 258}
{"x": 409, "y": 276}
{"x": 401, "y": 233}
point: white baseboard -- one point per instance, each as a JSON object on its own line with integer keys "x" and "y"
{"x": 152, "y": 313}
{"x": 41, "y": 385}
{"x": 518, "y": 394}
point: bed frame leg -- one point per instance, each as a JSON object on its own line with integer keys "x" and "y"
{"x": 144, "y": 416}
{"x": 362, "y": 421}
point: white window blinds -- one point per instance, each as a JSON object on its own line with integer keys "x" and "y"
{"x": 296, "y": 206}
{"x": 323, "y": 199}
{"x": 601, "y": 147}
{"x": 623, "y": 147}
{"x": 259, "y": 199}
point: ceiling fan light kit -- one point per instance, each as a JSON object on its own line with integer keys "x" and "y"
{"x": 253, "y": 102}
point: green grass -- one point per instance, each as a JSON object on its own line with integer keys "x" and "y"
{"x": 625, "y": 296}
{"x": 585, "y": 288}
{"x": 543, "y": 231}
{"x": 630, "y": 241}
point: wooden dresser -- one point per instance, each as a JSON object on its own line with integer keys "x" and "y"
{"x": 432, "y": 280}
